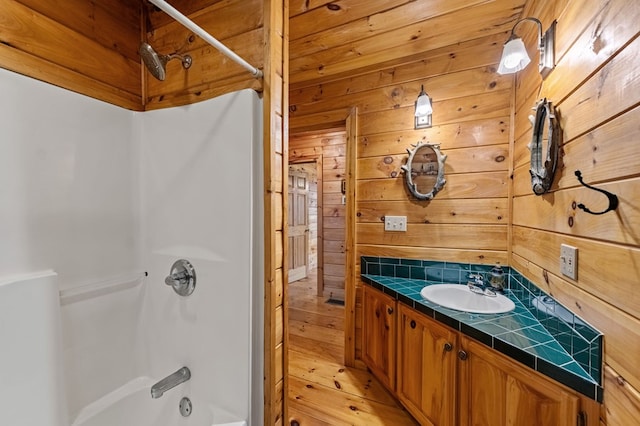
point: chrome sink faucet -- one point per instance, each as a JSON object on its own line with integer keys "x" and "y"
{"x": 170, "y": 382}
{"x": 478, "y": 280}
{"x": 476, "y": 285}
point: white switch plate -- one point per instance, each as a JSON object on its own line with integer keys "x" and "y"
{"x": 395, "y": 223}
{"x": 569, "y": 261}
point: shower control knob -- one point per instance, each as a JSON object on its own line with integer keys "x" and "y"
{"x": 182, "y": 277}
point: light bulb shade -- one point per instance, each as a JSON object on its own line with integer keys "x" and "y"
{"x": 423, "y": 105}
{"x": 514, "y": 57}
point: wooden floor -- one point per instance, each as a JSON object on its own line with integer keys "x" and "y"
{"x": 322, "y": 391}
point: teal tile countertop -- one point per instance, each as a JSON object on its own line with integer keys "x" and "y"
{"x": 538, "y": 333}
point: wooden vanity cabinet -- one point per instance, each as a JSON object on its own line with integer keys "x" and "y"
{"x": 379, "y": 335}
{"x": 426, "y": 368}
{"x": 494, "y": 390}
{"x": 445, "y": 378}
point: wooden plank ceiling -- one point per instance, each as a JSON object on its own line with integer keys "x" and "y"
{"x": 330, "y": 40}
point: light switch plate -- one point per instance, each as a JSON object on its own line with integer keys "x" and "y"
{"x": 569, "y": 261}
{"x": 395, "y": 223}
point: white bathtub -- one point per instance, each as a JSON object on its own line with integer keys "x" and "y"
{"x": 132, "y": 405}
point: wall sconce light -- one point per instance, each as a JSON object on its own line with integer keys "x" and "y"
{"x": 423, "y": 110}
{"x": 514, "y": 54}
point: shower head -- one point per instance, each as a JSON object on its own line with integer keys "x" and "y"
{"x": 156, "y": 63}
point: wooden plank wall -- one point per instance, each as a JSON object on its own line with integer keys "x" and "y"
{"x": 331, "y": 147}
{"x": 596, "y": 88}
{"x": 85, "y": 46}
{"x": 238, "y": 24}
{"x": 276, "y": 166}
{"x": 468, "y": 220}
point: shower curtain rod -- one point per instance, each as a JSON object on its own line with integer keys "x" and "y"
{"x": 188, "y": 23}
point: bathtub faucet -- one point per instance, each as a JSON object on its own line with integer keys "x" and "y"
{"x": 170, "y": 382}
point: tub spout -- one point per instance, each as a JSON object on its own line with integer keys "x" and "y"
{"x": 169, "y": 382}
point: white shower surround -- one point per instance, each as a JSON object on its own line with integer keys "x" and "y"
{"x": 102, "y": 196}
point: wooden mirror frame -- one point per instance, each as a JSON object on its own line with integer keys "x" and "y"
{"x": 440, "y": 180}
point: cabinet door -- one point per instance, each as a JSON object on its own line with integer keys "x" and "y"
{"x": 496, "y": 391}
{"x": 426, "y": 382}
{"x": 379, "y": 335}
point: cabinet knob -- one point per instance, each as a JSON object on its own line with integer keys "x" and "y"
{"x": 412, "y": 324}
{"x": 462, "y": 355}
{"x": 389, "y": 310}
{"x": 448, "y": 347}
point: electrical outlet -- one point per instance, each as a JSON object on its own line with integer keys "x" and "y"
{"x": 395, "y": 223}
{"x": 569, "y": 261}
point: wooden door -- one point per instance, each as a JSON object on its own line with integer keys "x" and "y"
{"x": 379, "y": 335}
{"x": 427, "y": 365}
{"x": 495, "y": 391}
{"x": 298, "y": 224}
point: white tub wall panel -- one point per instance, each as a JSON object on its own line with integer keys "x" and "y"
{"x": 131, "y": 405}
{"x": 197, "y": 165}
{"x": 101, "y": 344}
{"x": 209, "y": 332}
{"x": 31, "y": 376}
{"x": 256, "y": 310}
{"x": 67, "y": 173}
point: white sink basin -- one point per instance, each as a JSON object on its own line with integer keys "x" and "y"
{"x": 460, "y": 298}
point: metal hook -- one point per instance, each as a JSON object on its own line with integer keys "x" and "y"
{"x": 613, "y": 199}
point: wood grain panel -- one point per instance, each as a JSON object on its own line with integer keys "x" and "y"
{"x": 427, "y": 252}
{"x": 489, "y": 18}
{"x": 464, "y": 160}
{"x": 386, "y": 17}
{"x": 349, "y": 409}
{"x": 340, "y": 12}
{"x": 555, "y": 213}
{"x": 158, "y": 18}
{"x": 458, "y": 211}
{"x": 32, "y": 33}
{"x": 115, "y": 24}
{"x": 442, "y": 87}
{"x": 324, "y": 120}
{"x": 491, "y": 131}
{"x": 604, "y": 95}
{"x": 20, "y": 62}
{"x": 608, "y": 31}
{"x": 468, "y": 108}
{"x": 470, "y": 57}
{"x": 486, "y": 237}
{"x": 202, "y": 92}
{"x": 623, "y": 401}
{"x": 476, "y": 185}
{"x": 600, "y": 154}
{"x": 297, "y": 7}
{"x": 209, "y": 65}
{"x": 595, "y": 270}
{"x": 310, "y": 368}
{"x": 466, "y": 54}
{"x": 214, "y": 19}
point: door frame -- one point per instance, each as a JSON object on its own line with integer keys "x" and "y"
{"x": 317, "y": 159}
{"x": 350, "y": 123}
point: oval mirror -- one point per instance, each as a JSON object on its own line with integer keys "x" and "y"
{"x": 424, "y": 171}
